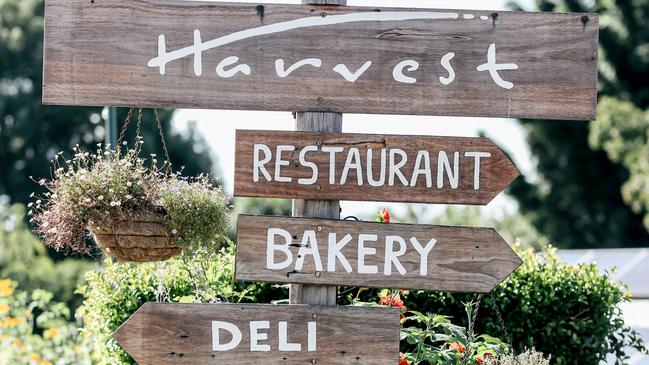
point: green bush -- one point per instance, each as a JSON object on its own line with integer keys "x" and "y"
{"x": 569, "y": 311}
{"x": 118, "y": 290}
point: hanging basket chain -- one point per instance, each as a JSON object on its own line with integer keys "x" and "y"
{"x": 162, "y": 139}
{"x": 502, "y": 323}
{"x": 122, "y": 133}
{"x": 138, "y": 129}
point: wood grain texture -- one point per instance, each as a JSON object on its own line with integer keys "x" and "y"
{"x": 496, "y": 171}
{"x": 166, "y": 333}
{"x": 316, "y": 122}
{"x": 462, "y": 260}
{"x": 96, "y": 53}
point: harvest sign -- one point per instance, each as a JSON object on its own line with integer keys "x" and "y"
{"x": 302, "y": 58}
{"x": 370, "y": 167}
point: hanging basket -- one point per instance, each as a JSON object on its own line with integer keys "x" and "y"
{"x": 142, "y": 237}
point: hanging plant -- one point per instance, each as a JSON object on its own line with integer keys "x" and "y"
{"x": 134, "y": 209}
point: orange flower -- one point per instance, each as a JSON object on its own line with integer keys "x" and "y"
{"x": 402, "y": 359}
{"x": 6, "y": 288}
{"x": 457, "y": 346}
{"x": 484, "y": 357}
{"x": 393, "y": 301}
{"x": 4, "y": 308}
{"x": 384, "y": 216}
{"x": 50, "y": 332}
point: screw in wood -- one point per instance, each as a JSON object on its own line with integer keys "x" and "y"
{"x": 319, "y": 228}
{"x": 317, "y": 274}
{"x": 314, "y": 361}
{"x": 318, "y": 187}
{"x": 314, "y": 316}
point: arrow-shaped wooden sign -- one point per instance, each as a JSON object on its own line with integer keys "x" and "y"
{"x": 335, "y": 252}
{"x": 247, "y": 334}
{"x": 334, "y": 166}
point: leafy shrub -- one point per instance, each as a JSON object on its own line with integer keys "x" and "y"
{"x": 98, "y": 187}
{"x": 568, "y": 311}
{"x": 116, "y": 291}
{"x": 35, "y": 330}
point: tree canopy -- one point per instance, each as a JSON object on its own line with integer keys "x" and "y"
{"x": 31, "y": 134}
{"x": 594, "y": 176}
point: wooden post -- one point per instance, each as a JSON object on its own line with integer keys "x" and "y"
{"x": 317, "y": 122}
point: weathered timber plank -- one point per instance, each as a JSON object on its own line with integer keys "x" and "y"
{"x": 483, "y": 171}
{"x": 461, "y": 259}
{"x": 98, "y": 53}
{"x": 166, "y": 333}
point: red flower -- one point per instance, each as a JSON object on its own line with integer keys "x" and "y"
{"x": 484, "y": 357}
{"x": 457, "y": 346}
{"x": 384, "y": 216}
{"x": 393, "y": 301}
{"x": 402, "y": 359}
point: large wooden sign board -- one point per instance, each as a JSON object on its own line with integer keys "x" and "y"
{"x": 247, "y": 334}
{"x": 188, "y": 54}
{"x": 334, "y": 252}
{"x": 334, "y": 166}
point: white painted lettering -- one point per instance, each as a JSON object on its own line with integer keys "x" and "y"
{"x": 334, "y": 252}
{"x": 446, "y": 63}
{"x": 284, "y": 345}
{"x": 353, "y": 162}
{"x": 370, "y": 175}
{"x": 256, "y": 336}
{"x": 279, "y": 163}
{"x": 348, "y": 75}
{"x": 398, "y": 75}
{"x": 423, "y": 253}
{"x": 444, "y": 164}
{"x": 392, "y": 256}
{"x": 332, "y": 162}
{"x": 271, "y": 248}
{"x": 258, "y": 164}
{"x": 308, "y": 246}
{"x": 281, "y": 72}
{"x": 217, "y": 326}
{"x": 222, "y": 72}
{"x": 494, "y": 67}
{"x": 366, "y": 251}
{"x": 396, "y": 166}
{"x": 422, "y": 157}
{"x": 311, "y": 165}
{"x": 312, "y": 337}
{"x": 476, "y": 166}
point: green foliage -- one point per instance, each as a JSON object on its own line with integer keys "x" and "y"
{"x": 434, "y": 340}
{"x": 31, "y": 133}
{"x": 96, "y": 188}
{"x": 36, "y": 330}
{"x": 23, "y": 259}
{"x": 622, "y": 130}
{"x": 578, "y": 201}
{"x": 116, "y": 291}
{"x": 569, "y": 311}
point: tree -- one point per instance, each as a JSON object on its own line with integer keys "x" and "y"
{"x": 579, "y": 200}
{"x": 31, "y": 134}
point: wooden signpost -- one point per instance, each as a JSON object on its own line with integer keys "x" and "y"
{"x": 247, "y": 334}
{"x": 334, "y": 252}
{"x": 449, "y": 170}
{"x": 321, "y": 61}
{"x": 329, "y": 58}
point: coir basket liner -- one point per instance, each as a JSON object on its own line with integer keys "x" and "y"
{"x": 139, "y": 237}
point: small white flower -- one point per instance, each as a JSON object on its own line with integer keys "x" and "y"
{"x": 30, "y": 205}
{"x": 129, "y": 184}
{"x": 174, "y": 232}
{"x": 101, "y": 197}
{"x": 112, "y": 204}
{"x": 38, "y": 201}
{"x": 87, "y": 200}
{"x": 129, "y": 197}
